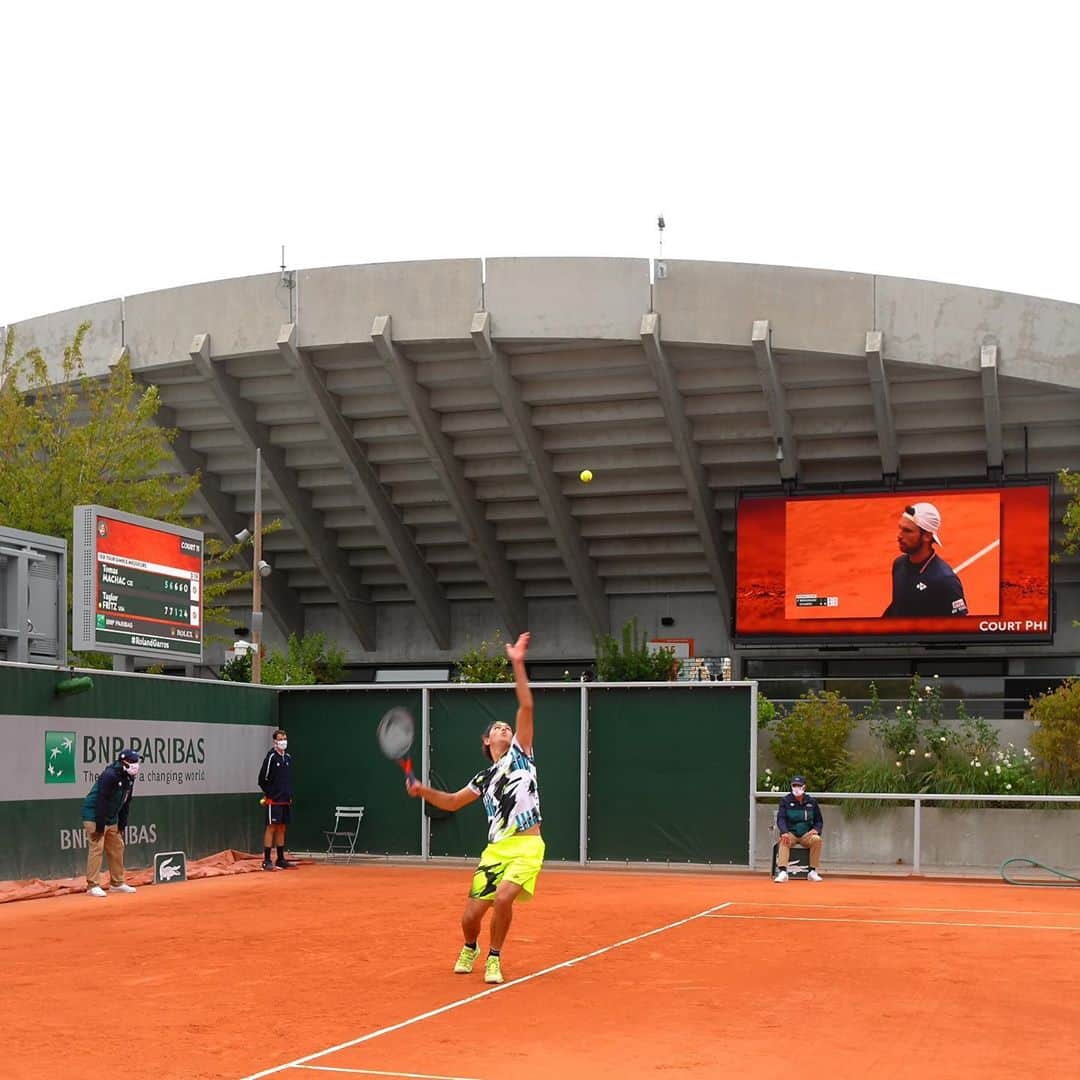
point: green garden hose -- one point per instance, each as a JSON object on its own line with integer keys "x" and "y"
{"x": 1042, "y": 866}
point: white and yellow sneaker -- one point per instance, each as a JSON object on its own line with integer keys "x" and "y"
{"x": 466, "y": 959}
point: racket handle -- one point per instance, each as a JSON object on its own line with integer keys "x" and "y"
{"x": 406, "y": 765}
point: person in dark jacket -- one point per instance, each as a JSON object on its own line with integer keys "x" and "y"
{"x": 798, "y": 820}
{"x": 105, "y": 817}
{"x": 275, "y": 780}
{"x": 924, "y": 585}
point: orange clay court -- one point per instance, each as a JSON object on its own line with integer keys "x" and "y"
{"x": 344, "y": 971}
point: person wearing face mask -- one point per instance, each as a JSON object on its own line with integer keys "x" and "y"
{"x": 105, "y": 816}
{"x": 798, "y": 820}
{"x": 275, "y": 780}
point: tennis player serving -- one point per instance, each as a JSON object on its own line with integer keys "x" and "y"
{"x": 511, "y": 862}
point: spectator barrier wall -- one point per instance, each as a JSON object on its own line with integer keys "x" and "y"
{"x": 202, "y": 744}
{"x": 628, "y": 773}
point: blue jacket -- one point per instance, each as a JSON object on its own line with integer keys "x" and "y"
{"x": 109, "y": 800}
{"x": 797, "y": 817}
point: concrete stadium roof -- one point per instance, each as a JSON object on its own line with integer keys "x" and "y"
{"x": 423, "y": 424}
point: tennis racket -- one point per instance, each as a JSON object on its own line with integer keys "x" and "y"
{"x": 395, "y": 733}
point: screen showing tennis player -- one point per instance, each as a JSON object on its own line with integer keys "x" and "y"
{"x": 886, "y": 543}
{"x": 958, "y": 564}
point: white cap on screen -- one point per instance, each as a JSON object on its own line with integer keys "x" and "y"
{"x": 928, "y": 519}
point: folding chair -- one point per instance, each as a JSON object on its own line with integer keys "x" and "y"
{"x": 341, "y": 836}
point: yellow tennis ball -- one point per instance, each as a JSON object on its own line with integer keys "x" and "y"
{"x": 586, "y": 476}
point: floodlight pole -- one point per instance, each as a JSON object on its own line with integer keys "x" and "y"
{"x": 256, "y": 578}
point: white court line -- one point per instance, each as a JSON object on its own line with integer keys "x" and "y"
{"x": 378, "y": 1072}
{"x": 900, "y": 922}
{"x": 891, "y": 907}
{"x": 978, "y": 555}
{"x": 484, "y": 993}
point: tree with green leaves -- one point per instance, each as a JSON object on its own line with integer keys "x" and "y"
{"x": 69, "y": 439}
{"x": 1070, "y": 542}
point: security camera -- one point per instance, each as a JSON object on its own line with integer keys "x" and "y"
{"x": 243, "y": 536}
{"x": 264, "y": 568}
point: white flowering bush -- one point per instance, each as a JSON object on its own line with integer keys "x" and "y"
{"x": 920, "y": 754}
{"x": 769, "y": 781}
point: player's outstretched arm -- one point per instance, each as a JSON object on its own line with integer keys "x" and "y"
{"x": 444, "y": 800}
{"x": 523, "y": 726}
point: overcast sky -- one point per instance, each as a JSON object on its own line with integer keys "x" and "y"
{"x": 148, "y": 145}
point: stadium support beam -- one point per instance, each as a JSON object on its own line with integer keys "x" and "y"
{"x": 988, "y": 369}
{"x": 883, "y": 414}
{"x": 787, "y": 454}
{"x": 341, "y": 579}
{"x": 479, "y": 532}
{"x": 556, "y": 507}
{"x": 282, "y": 602}
{"x": 702, "y": 502}
{"x": 426, "y": 592}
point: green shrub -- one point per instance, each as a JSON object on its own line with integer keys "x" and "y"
{"x": 307, "y": 661}
{"x": 485, "y": 663}
{"x": 237, "y": 668}
{"x": 1056, "y": 739}
{"x": 766, "y": 712}
{"x": 875, "y": 775}
{"x": 811, "y": 738}
{"x": 629, "y": 659}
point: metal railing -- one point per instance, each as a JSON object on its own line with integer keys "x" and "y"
{"x": 918, "y": 800}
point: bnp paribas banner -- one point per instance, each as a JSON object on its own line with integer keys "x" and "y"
{"x": 48, "y": 757}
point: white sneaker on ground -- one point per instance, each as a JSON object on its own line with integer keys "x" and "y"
{"x": 96, "y": 890}
{"x": 813, "y": 876}
{"x": 781, "y": 877}
{"x": 121, "y": 888}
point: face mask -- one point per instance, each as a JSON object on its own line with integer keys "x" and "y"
{"x": 132, "y": 769}
{"x": 281, "y": 744}
{"x": 798, "y": 792}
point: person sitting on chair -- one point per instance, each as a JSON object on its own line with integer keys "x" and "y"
{"x": 798, "y": 820}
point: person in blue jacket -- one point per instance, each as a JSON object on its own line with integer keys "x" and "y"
{"x": 798, "y": 820}
{"x": 105, "y": 816}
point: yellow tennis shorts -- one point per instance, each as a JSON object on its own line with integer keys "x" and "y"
{"x": 516, "y": 859}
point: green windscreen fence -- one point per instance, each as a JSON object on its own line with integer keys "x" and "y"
{"x": 669, "y": 774}
{"x": 337, "y": 762}
{"x": 458, "y": 721}
{"x": 668, "y": 768}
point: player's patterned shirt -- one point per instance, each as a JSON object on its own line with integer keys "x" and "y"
{"x": 511, "y": 797}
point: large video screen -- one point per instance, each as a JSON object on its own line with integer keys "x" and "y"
{"x": 959, "y": 564}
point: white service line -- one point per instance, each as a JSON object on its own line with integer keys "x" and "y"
{"x": 381, "y": 1072}
{"x": 298, "y": 1062}
{"x": 891, "y": 907}
{"x": 900, "y": 922}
